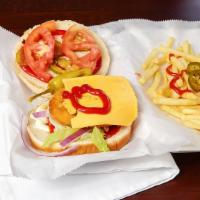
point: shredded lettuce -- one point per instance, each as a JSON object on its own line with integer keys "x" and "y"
{"x": 58, "y": 135}
{"x": 97, "y": 137}
{"x": 84, "y": 137}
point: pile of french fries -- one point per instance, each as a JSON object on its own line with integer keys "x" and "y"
{"x": 185, "y": 107}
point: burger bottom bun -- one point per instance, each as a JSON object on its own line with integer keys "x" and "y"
{"x": 116, "y": 142}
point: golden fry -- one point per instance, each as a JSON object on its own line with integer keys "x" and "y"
{"x": 189, "y": 95}
{"x": 191, "y": 124}
{"x": 188, "y": 57}
{"x": 177, "y": 113}
{"x": 177, "y": 63}
{"x": 183, "y": 62}
{"x": 188, "y": 111}
{"x": 186, "y": 47}
{"x": 151, "y": 56}
{"x": 152, "y": 89}
{"x": 148, "y": 74}
{"x": 160, "y": 60}
{"x": 170, "y": 42}
{"x": 175, "y": 102}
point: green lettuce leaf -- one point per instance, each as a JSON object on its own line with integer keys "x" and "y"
{"x": 58, "y": 136}
{"x": 97, "y": 137}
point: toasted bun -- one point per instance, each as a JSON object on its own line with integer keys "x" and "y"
{"x": 116, "y": 142}
{"x": 38, "y": 86}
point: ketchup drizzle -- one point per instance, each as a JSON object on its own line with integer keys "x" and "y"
{"x": 176, "y": 77}
{"x": 77, "y": 93}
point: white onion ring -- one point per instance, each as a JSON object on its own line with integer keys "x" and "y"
{"x": 28, "y": 145}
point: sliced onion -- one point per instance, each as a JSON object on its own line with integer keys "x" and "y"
{"x": 27, "y": 142}
{"x": 74, "y": 136}
{"x": 40, "y": 114}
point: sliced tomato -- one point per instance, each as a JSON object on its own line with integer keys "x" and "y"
{"x": 51, "y": 126}
{"x": 58, "y": 32}
{"x": 71, "y": 43}
{"x": 28, "y": 70}
{"x": 90, "y": 59}
{"x": 40, "y": 65}
{"x": 98, "y": 66}
{"x": 112, "y": 130}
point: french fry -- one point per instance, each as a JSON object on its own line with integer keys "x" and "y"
{"x": 180, "y": 49}
{"x": 183, "y": 62}
{"x": 149, "y": 73}
{"x": 165, "y": 91}
{"x": 188, "y": 57}
{"x": 189, "y": 95}
{"x": 191, "y": 124}
{"x": 194, "y": 121}
{"x": 196, "y": 107}
{"x": 189, "y": 111}
{"x": 170, "y": 42}
{"x": 186, "y": 47}
{"x": 150, "y": 57}
{"x": 175, "y": 102}
{"x": 160, "y": 60}
{"x": 176, "y": 113}
{"x": 174, "y": 69}
{"x": 164, "y": 87}
{"x": 179, "y": 83}
{"x": 185, "y": 78}
{"x": 174, "y": 94}
{"x": 152, "y": 89}
{"x": 191, "y": 50}
{"x": 171, "y": 110}
{"x": 177, "y": 63}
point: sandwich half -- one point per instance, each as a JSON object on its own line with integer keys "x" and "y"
{"x": 89, "y": 115}
{"x": 56, "y": 47}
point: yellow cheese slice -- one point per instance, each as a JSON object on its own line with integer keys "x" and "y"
{"x": 68, "y": 105}
{"x": 124, "y": 107}
{"x": 89, "y": 100}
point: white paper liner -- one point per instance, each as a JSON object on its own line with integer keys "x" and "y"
{"x": 132, "y": 176}
{"x": 129, "y": 42}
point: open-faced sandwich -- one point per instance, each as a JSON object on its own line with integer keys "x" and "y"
{"x": 90, "y": 114}
{"x": 57, "y": 47}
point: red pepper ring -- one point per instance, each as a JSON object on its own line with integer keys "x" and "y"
{"x": 77, "y": 93}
